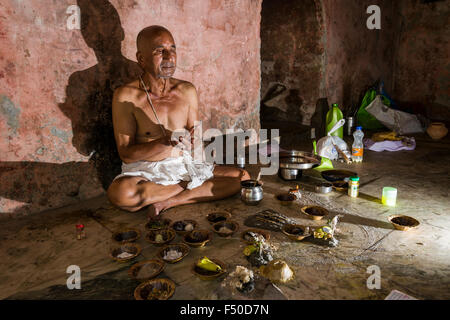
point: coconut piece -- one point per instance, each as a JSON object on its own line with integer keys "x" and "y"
{"x": 277, "y": 271}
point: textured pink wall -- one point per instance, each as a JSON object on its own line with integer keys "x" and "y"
{"x": 56, "y": 85}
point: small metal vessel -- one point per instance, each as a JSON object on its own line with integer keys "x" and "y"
{"x": 324, "y": 187}
{"x": 290, "y": 174}
{"x": 251, "y": 192}
{"x": 293, "y": 162}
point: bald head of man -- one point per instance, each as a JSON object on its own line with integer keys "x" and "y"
{"x": 156, "y": 52}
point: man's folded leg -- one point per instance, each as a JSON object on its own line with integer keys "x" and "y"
{"x": 134, "y": 193}
{"x": 225, "y": 183}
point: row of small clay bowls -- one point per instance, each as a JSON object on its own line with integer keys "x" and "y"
{"x": 409, "y": 223}
{"x": 292, "y": 231}
{"x": 142, "y": 290}
{"x": 165, "y": 287}
{"x": 318, "y": 213}
{"x": 131, "y": 235}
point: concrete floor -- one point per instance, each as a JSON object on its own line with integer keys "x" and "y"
{"x": 36, "y": 250}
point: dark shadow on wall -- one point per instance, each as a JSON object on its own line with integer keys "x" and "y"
{"x": 89, "y": 92}
{"x": 288, "y": 98}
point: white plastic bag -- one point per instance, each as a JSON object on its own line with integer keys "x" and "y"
{"x": 325, "y": 146}
{"x": 398, "y": 121}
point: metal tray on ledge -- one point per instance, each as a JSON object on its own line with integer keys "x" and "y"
{"x": 301, "y": 160}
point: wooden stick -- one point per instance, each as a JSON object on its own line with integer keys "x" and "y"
{"x": 342, "y": 154}
{"x": 259, "y": 176}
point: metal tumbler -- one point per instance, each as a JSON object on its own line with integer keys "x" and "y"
{"x": 350, "y": 123}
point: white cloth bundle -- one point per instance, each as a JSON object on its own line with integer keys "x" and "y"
{"x": 170, "y": 171}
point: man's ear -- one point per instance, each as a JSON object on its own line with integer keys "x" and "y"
{"x": 140, "y": 59}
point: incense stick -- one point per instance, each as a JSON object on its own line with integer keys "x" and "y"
{"x": 257, "y": 179}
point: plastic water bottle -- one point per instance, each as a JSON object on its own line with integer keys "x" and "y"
{"x": 358, "y": 146}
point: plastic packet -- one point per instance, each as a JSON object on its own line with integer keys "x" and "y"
{"x": 325, "y": 146}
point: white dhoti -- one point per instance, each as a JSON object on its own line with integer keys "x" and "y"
{"x": 170, "y": 171}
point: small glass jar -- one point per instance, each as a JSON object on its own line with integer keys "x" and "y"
{"x": 353, "y": 187}
{"x": 80, "y": 231}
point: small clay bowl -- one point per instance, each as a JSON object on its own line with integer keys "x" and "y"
{"x": 314, "y": 212}
{"x": 197, "y": 238}
{"x": 286, "y": 199}
{"x": 155, "y": 266}
{"x": 158, "y": 224}
{"x": 403, "y": 223}
{"x": 340, "y": 185}
{"x": 218, "y": 216}
{"x": 167, "y": 234}
{"x": 265, "y": 234}
{"x": 175, "y": 226}
{"x": 206, "y": 274}
{"x": 184, "y": 249}
{"x": 125, "y": 236}
{"x": 232, "y": 225}
{"x": 155, "y": 289}
{"x": 294, "y": 232}
{"x": 130, "y": 248}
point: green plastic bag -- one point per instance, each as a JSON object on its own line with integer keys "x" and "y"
{"x": 365, "y": 119}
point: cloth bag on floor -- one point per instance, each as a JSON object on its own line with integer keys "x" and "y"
{"x": 398, "y": 121}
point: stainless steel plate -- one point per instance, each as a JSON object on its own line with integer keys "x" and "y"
{"x": 298, "y": 160}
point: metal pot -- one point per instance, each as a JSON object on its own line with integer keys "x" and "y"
{"x": 251, "y": 192}
{"x": 290, "y": 174}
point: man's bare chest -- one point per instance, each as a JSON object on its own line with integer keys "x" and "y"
{"x": 171, "y": 111}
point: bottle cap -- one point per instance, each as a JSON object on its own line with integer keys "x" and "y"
{"x": 334, "y": 104}
{"x": 80, "y": 226}
{"x": 354, "y": 178}
{"x": 359, "y": 128}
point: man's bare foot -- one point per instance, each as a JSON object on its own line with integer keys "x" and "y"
{"x": 154, "y": 211}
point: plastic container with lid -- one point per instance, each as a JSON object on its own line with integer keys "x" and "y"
{"x": 353, "y": 187}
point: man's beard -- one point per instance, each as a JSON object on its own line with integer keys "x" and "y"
{"x": 168, "y": 73}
